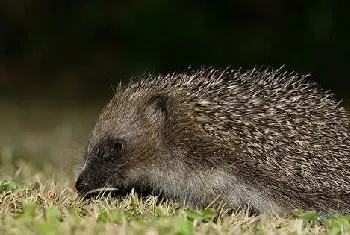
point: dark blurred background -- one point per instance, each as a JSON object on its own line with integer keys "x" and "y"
{"x": 73, "y": 49}
{"x": 58, "y": 57}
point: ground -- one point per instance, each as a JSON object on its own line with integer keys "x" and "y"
{"x": 41, "y": 147}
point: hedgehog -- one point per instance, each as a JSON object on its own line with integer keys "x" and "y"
{"x": 264, "y": 139}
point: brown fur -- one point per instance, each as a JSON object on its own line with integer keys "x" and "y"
{"x": 265, "y": 139}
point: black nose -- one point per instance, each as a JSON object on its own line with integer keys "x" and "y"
{"x": 81, "y": 185}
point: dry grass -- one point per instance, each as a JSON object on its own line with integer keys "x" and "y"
{"x": 36, "y": 201}
{"x": 37, "y": 195}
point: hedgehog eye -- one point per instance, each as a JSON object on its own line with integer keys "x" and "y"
{"x": 117, "y": 146}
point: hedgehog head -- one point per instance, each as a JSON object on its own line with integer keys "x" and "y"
{"x": 126, "y": 142}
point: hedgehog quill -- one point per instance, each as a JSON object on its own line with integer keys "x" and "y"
{"x": 267, "y": 140}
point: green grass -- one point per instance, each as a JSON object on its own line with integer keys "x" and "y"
{"x": 34, "y": 201}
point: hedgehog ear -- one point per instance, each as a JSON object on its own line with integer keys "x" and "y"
{"x": 158, "y": 108}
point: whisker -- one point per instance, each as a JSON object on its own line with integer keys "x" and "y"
{"x": 100, "y": 192}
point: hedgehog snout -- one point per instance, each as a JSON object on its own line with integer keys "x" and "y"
{"x": 82, "y": 185}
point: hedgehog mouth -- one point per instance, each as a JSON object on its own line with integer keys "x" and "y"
{"x": 100, "y": 193}
{"x": 118, "y": 192}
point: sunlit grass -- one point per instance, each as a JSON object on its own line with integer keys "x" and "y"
{"x": 44, "y": 201}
